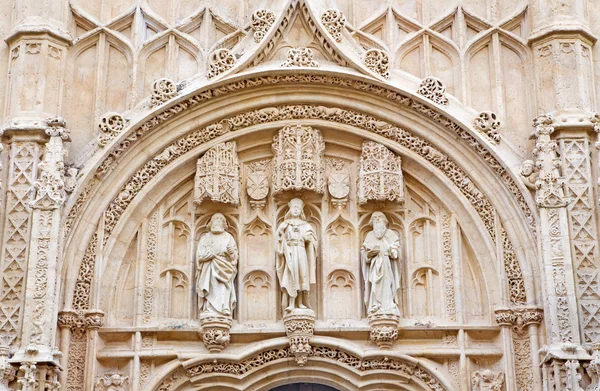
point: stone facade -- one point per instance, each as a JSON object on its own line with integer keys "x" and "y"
{"x": 201, "y": 195}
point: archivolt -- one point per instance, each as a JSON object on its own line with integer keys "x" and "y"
{"x": 333, "y": 362}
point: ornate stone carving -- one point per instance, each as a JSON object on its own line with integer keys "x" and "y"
{"x": 448, "y": 266}
{"x": 512, "y": 269}
{"x": 28, "y": 376}
{"x": 384, "y": 328}
{"x": 299, "y": 328}
{"x": 487, "y": 381}
{"x": 7, "y": 371}
{"x": 377, "y": 61}
{"x": 110, "y": 126}
{"x": 380, "y": 174}
{"x": 262, "y": 20}
{"x": 218, "y": 176}
{"x": 217, "y": 257}
{"x": 300, "y": 57}
{"x": 296, "y": 257}
{"x": 214, "y": 329}
{"x": 151, "y": 260}
{"x": 162, "y": 90}
{"x": 338, "y": 178}
{"x": 298, "y": 162}
{"x": 334, "y": 22}
{"x": 257, "y": 180}
{"x": 433, "y": 89}
{"x": 519, "y": 317}
{"x": 487, "y": 123}
{"x": 220, "y": 60}
{"x": 593, "y": 368}
{"x": 112, "y": 382}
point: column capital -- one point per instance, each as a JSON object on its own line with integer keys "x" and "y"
{"x": 519, "y": 317}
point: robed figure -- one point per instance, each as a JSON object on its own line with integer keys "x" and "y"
{"x": 296, "y": 244}
{"x": 380, "y": 266}
{"x": 217, "y": 258}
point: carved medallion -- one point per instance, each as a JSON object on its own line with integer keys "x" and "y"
{"x": 257, "y": 179}
{"x": 217, "y": 175}
{"x": 338, "y": 178}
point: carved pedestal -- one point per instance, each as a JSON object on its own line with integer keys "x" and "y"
{"x": 384, "y": 329}
{"x": 299, "y": 327}
{"x": 214, "y": 329}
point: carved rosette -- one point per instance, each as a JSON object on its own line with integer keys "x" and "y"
{"x": 214, "y": 329}
{"x": 334, "y": 22}
{"x": 162, "y": 90}
{"x": 433, "y": 89}
{"x": 110, "y": 126}
{"x": 487, "y": 123}
{"x": 384, "y": 329}
{"x": 378, "y": 61}
{"x": 218, "y": 175}
{"x": 300, "y": 57}
{"x": 262, "y": 20}
{"x": 298, "y": 162}
{"x": 380, "y": 174}
{"x": 299, "y": 328}
{"x": 220, "y": 60}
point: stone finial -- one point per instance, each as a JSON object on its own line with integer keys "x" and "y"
{"x": 218, "y": 175}
{"x": 487, "y": 123}
{"x": 378, "y": 61}
{"x": 334, "y": 22}
{"x": 433, "y": 89}
{"x": 219, "y": 61}
{"x": 262, "y": 20}
{"x": 299, "y": 328}
{"x": 110, "y": 126}
{"x": 162, "y": 90}
{"x": 300, "y": 57}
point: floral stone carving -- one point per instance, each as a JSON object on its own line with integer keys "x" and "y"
{"x": 298, "y": 162}
{"x": 299, "y": 328}
{"x": 217, "y": 175}
{"x": 220, "y": 61}
{"x": 378, "y": 61}
{"x": 487, "y": 122}
{"x": 300, "y": 57}
{"x": 110, "y": 126}
{"x": 214, "y": 329}
{"x": 334, "y": 22}
{"x": 433, "y": 89}
{"x": 380, "y": 174}
{"x": 162, "y": 90}
{"x": 384, "y": 328}
{"x": 262, "y": 20}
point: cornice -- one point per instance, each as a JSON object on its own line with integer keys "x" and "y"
{"x": 33, "y": 30}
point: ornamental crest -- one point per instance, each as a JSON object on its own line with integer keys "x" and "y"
{"x": 338, "y": 178}
{"x": 298, "y": 163}
{"x": 380, "y": 175}
{"x": 257, "y": 180}
{"x": 217, "y": 175}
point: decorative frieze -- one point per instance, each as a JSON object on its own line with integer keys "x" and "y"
{"x": 334, "y": 22}
{"x": 433, "y": 89}
{"x": 377, "y": 61}
{"x": 162, "y": 90}
{"x": 380, "y": 174}
{"x": 218, "y": 176}
{"x": 220, "y": 60}
{"x": 300, "y": 57}
{"x": 261, "y": 22}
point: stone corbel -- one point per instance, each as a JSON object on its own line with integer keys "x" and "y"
{"x": 299, "y": 328}
{"x": 384, "y": 329}
{"x": 214, "y": 329}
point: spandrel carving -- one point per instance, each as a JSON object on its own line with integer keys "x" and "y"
{"x": 217, "y": 175}
{"x": 380, "y": 175}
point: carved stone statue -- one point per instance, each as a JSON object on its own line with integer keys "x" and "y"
{"x": 380, "y": 265}
{"x": 296, "y": 243}
{"x": 217, "y": 258}
{"x": 487, "y": 381}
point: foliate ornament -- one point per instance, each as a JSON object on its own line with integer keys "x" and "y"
{"x": 110, "y": 126}
{"x": 593, "y": 368}
{"x": 220, "y": 61}
{"x": 7, "y": 371}
{"x": 334, "y": 22}
{"x": 299, "y": 328}
{"x": 380, "y": 174}
{"x": 384, "y": 328}
{"x": 298, "y": 162}
{"x": 487, "y": 122}
{"x": 112, "y": 382}
{"x": 433, "y": 89}
{"x": 57, "y": 127}
{"x": 378, "y": 61}
{"x": 487, "y": 381}
{"x": 338, "y": 181}
{"x": 162, "y": 90}
{"x": 214, "y": 329}
{"x": 257, "y": 179}
{"x": 549, "y": 182}
{"x": 519, "y": 317}
{"x": 262, "y": 20}
{"x": 218, "y": 175}
{"x": 300, "y": 57}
